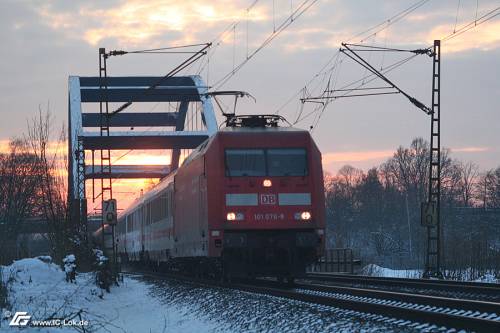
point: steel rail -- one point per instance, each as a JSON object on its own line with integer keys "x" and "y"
{"x": 438, "y": 301}
{"x": 442, "y": 285}
{"x": 413, "y": 314}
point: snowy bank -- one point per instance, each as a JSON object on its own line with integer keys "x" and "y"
{"x": 375, "y": 270}
{"x": 40, "y": 289}
{"x": 463, "y": 275}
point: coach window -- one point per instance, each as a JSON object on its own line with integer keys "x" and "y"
{"x": 131, "y": 221}
{"x": 287, "y": 162}
{"x": 245, "y": 162}
{"x": 163, "y": 201}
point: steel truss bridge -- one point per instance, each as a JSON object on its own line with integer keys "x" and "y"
{"x": 188, "y": 93}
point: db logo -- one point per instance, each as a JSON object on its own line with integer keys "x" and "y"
{"x": 268, "y": 199}
{"x": 20, "y": 319}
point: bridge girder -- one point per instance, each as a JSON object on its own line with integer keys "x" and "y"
{"x": 86, "y": 90}
{"x": 130, "y": 171}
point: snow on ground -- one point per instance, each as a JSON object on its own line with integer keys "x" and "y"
{"x": 237, "y": 311}
{"x": 488, "y": 278}
{"x": 465, "y": 275}
{"x": 41, "y": 290}
{"x": 375, "y": 270}
{"x": 144, "y": 305}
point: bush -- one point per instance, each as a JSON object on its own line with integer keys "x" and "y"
{"x": 103, "y": 272}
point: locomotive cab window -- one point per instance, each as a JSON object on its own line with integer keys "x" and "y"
{"x": 286, "y": 162}
{"x": 266, "y": 162}
{"x": 245, "y": 162}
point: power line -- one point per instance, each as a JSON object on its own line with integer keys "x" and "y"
{"x": 321, "y": 72}
{"x": 456, "y": 17}
{"x": 471, "y": 25}
{"x": 374, "y": 30}
{"x": 363, "y": 83}
{"x": 322, "y": 107}
{"x": 390, "y": 21}
{"x": 329, "y": 98}
{"x": 357, "y": 58}
{"x": 486, "y": 17}
{"x": 336, "y": 65}
{"x": 216, "y": 42}
{"x": 297, "y": 13}
{"x": 374, "y": 77}
{"x": 167, "y": 48}
{"x": 196, "y": 55}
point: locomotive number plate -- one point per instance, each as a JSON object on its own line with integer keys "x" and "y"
{"x": 269, "y": 216}
{"x": 268, "y": 199}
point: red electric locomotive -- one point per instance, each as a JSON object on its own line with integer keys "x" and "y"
{"x": 249, "y": 201}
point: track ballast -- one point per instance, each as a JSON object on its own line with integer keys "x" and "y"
{"x": 411, "y": 309}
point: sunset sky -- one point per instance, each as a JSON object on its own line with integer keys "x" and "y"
{"x": 43, "y": 42}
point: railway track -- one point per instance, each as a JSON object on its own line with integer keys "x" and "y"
{"x": 446, "y": 288}
{"x": 412, "y": 310}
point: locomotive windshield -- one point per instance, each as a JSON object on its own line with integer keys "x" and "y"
{"x": 245, "y": 162}
{"x": 286, "y": 162}
{"x": 266, "y": 162}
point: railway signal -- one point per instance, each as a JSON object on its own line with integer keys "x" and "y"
{"x": 428, "y": 214}
{"x": 109, "y": 215}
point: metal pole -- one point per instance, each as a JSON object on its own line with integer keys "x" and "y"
{"x": 433, "y": 255}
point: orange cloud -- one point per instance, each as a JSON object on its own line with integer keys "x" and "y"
{"x": 54, "y": 147}
{"x": 4, "y": 146}
{"x": 125, "y": 191}
{"x": 485, "y": 38}
{"x": 470, "y": 149}
{"x": 356, "y": 156}
{"x": 138, "y": 22}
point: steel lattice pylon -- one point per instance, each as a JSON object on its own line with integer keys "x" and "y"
{"x": 106, "y": 192}
{"x": 105, "y": 154}
{"x": 79, "y": 207}
{"x": 430, "y": 210}
{"x": 433, "y": 255}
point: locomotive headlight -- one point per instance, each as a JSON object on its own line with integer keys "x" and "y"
{"x": 267, "y": 183}
{"x": 231, "y": 216}
{"x": 303, "y": 216}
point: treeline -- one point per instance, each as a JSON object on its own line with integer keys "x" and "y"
{"x": 32, "y": 186}
{"x": 378, "y": 212}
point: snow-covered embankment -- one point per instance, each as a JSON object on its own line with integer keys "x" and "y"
{"x": 40, "y": 289}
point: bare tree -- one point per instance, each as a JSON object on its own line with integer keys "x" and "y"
{"x": 409, "y": 168}
{"x": 33, "y": 184}
{"x": 340, "y": 198}
{"x": 468, "y": 179}
{"x": 494, "y": 189}
{"x": 348, "y": 178}
{"x": 52, "y": 188}
{"x": 487, "y": 188}
{"x": 385, "y": 203}
{"x": 19, "y": 180}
